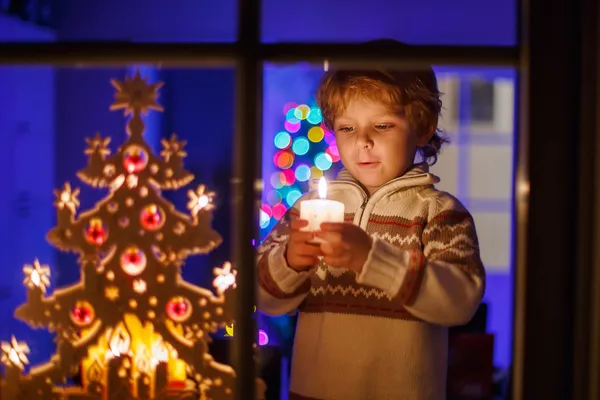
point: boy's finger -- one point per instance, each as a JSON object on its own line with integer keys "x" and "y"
{"x": 332, "y": 226}
{"x": 299, "y": 236}
{"x": 296, "y": 224}
{"x": 308, "y": 249}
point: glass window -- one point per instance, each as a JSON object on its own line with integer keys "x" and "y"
{"x": 466, "y": 22}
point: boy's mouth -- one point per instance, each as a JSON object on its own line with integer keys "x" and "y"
{"x": 368, "y": 164}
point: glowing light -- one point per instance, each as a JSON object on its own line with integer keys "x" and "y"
{"x": 329, "y": 138}
{"x": 199, "y": 200}
{"x": 263, "y": 338}
{"x": 290, "y": 177}
{"x": 67, "y": 198}
{"x": 315, "y": 134}
{"x": 301, "y": 112}
{"x": 283, "y": 159}
{"x": 333, "y": 153}
{"x": 290, "y": 116}
{"x": 323, "y": 161}
{"x": 293, "y": 196}
{"x": 14, "y": 353}
{"x": 292, "y": 127}
{"x": 120, "y": 341}
{"x": 277, "y": 180}
{"x": 264, "y": 219}
{"x": 301, "y": 146}
{"x": 289, "y": 106}
{"x": 267, "y": 210}
{"x": 303, "y": 173}
{"x": 282, "y": 140}
{"x": 225, "y": 278}
{"x": 315, "y": 172}
{"x": 37, "y": 275}
{"x": 274, "y": 198}
{"x": 322, "y": 188}
{"x": 314, "y": 116}
{"x": 279, "y": 211}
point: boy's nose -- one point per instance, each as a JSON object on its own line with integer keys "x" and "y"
{"x": 364, "y": 140}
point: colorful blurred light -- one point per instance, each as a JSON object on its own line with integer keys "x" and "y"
{"x": 300, "y": 146}
{"x": 290, "y": 116}
{"x": 314, "y": 116}
{"x": 292, "y": 127}
{"x": 333, "y": 153}
{"x": 267, "y": 210}
{"x": 293, "y": 196}
{"x": 279, "y": 211}
{"x": 288, "y": 106}
{"x": 277, "y": 179}
{"x": 282, "y": 140}
{"x": 303, "y": 173}
{"x": 301, "y": 112}
{"x": 274, "y": 198}
{"x": 315, "y": 134}
{"x": 315, "y": 173}
{"x": 264, "y": 219}
{"x": 263, "y": 338}
{"x": 289, "y": 176}
{"x": 329, "y": 138}
{"x": 283, "y": 159}
{"x": 323, "y": 161}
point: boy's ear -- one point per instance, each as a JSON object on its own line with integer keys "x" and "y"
{"x": 425, "y": 136}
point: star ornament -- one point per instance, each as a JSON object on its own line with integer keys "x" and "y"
{"x": 14, "y": 353}
{"x": 225, "y": 278}
{"x": 200, "y": 200}
{"x": 173, "y": 147}
{"x": 37, "y": 275}
{"x": 98, "y": 145}
{"x": 67, "y": 198}
{"x": 136, "y": 95}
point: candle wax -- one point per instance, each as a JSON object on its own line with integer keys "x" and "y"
{"x": 318, "y": 211}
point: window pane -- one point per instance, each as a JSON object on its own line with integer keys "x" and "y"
{"x": 152, "y": 21}
{"x": 476, "y": 166}
{"x": 466, "y": 22}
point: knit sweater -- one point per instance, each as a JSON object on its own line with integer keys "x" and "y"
{"x": 381, "y": 334}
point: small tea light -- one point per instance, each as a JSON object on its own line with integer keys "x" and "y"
{"x": 321, "y": 210}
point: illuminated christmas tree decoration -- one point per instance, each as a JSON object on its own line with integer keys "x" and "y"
{"x": 132, "y": 327}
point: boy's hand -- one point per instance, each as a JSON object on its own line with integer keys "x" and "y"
{"x": 300, "y": 254}
{"x": 346, "y": 245}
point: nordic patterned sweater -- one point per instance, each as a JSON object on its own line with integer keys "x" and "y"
{"x": 381, "y": 335}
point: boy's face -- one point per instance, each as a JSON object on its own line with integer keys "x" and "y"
{"x": 375, "y": 144}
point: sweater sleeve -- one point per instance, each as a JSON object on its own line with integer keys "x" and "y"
{"x": 443, "y": 283}
{"x": 280, "y": 288}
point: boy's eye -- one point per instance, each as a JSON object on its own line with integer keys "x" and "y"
{"x": 384, "y": 127}
{"x": 346, "y": 129}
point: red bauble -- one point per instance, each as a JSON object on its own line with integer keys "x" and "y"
{"x": 133, "y": 261}
{"x": 179, "y": 309}
{"x": 82, "y": 313}
{"x": 96, "y": 233}
{"x": 135, "y": 159}
{"x": 152, "y": 217}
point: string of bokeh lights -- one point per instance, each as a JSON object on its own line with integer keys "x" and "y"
{"x": 305, "y": 150}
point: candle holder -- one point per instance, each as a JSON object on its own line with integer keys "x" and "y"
{"x": 132, "y": 326}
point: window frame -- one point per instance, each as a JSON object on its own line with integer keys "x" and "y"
{"x": 557, "y": 304}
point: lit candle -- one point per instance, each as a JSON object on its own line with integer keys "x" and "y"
{"x": 321, "y": 210}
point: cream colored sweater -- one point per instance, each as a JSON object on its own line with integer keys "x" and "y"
{"x": 382, "y": 334}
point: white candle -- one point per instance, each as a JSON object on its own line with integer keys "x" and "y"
{"x": 321, "y": 210}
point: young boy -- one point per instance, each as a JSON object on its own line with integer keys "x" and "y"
{"x": 376, "y": 297}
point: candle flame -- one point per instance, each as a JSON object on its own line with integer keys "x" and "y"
{"x": 119, "y": 342}
{"x": 322, "y": 188}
